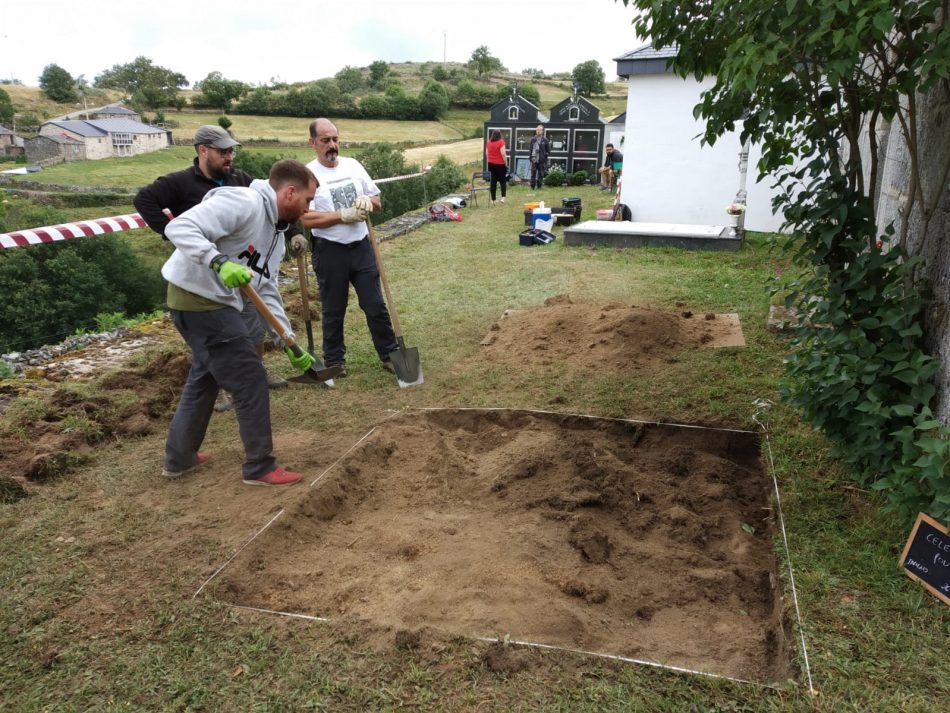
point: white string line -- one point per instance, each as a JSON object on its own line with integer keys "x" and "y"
{"x": 231, "y": 559}
{"x": 579, "y": 415}
{"x": 788, "y": 552}
{"x": 334, "y": 464}
{"x": 616, "y": 657}
{"x": 531, "y": 644}
{"x": 218, "y": 571}
{"x": 280, "y": 613}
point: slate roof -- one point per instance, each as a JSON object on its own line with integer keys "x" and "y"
{"x": 101, "y": 127}
{"x": 114, "y": 109}
{"x": 5, "y": 130}
{"x": 57, "y": 138}
{"x": 645, "y": 60}
{"x": 648, "y": 51}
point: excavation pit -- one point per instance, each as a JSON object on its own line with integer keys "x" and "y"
{"x": 646, "y": 541}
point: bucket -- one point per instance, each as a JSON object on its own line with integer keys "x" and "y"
{"x": 605, "y": 214}
{"x": 573, "y": 203}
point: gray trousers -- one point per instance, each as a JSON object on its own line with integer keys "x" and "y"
{"x": 222, "y": 354}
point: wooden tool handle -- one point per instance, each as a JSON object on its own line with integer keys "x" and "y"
{"x": 304, "y": 290}
{"x": 382, "y": 276}
{"x": 252, "y": 295}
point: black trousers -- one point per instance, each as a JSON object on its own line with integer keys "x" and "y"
{"x": 537, "y": 174}
{"x": 337, "y": 267}
{"x": 499, "y": 174}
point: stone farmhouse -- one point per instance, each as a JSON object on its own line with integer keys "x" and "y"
{"x": 108, "y": 132}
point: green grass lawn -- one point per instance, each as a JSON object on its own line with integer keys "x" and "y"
{"x": 876, "y": 640}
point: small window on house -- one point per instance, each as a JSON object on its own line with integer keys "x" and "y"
{"x": 513, "y": 113}
{"x": 574, "y": 114}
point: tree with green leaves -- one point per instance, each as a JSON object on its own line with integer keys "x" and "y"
{"x": 350, "y": 79}
{"x": 144, "y": 83}
{"x": 589, "y": 78}
{"x": 7, "y": 110}
{"x": 483, "y": 63}
{"x": 218, "y": 92}
{"x": 815, "y": 84}
{"x": 378, "y": 71}
{"x": 58, "y": 84}
{"x": 433, "y": 100}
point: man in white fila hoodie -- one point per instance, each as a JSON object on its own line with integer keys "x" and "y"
{"x": 234, "y": 237}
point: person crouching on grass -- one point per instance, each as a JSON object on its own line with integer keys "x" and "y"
{"x": 234, "y": 237}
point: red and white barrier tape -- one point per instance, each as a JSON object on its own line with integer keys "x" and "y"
{"x": 99, "y": 226}
{"x": 68, "y": 231}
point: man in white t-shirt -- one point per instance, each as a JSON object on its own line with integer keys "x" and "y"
{"x": 342, "y": 253}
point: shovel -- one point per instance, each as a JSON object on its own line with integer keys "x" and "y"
{"x": 315, "y": 374}
{"x": 405, "y": 360}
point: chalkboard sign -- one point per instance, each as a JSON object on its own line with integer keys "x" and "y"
{"x": 926, "y": 557}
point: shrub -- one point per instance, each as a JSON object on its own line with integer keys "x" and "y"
{"x": 555, "y": 177}
{"x": 256, "y": 164}
{"x": 579, "y": 178}
{"x": 47, "y": 292}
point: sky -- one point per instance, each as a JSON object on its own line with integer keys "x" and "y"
{"x": 259, "y": 41}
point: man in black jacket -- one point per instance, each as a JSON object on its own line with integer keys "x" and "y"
{"x": 540, "y": 148}
{"x": 177, "y": 192}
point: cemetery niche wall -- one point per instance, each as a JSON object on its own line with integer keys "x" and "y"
{"x": 574, "y": 129}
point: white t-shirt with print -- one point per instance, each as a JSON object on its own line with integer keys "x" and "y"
{"x": 339, "y": 188}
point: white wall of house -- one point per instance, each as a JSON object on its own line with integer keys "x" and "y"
{"x": 668, "y": 176}
{"x": 146, "y": 143}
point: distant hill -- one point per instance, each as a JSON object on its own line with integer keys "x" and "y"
{"x": 412, "y": 76}
{"x": 31, "y": 100}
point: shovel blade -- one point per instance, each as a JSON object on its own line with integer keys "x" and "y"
{"x": 317, "y": 375}
{"x": 405, "y": 361}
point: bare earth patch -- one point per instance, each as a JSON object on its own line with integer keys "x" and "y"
{"x": 646, "y": 541}
{"x": 611, "y": 337}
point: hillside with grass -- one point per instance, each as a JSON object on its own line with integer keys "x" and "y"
{"x": 410, "y": 78}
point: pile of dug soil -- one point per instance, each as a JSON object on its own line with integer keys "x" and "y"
{"x": 613, "y": 336}
{"x": 65, "y": 425}
{"x": 646, "y": 541}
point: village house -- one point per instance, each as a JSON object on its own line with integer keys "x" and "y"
{"x": 108, "y": 132}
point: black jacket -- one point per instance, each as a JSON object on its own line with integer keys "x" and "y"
{"x": 178, "y": 192}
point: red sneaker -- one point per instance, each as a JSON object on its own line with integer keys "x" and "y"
{"x": 200, "y": 459}
{"x": 278, "y": 476}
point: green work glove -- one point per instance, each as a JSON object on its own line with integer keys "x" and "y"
{"x": 302, "y": 362}
{"x": 234, "y": 275}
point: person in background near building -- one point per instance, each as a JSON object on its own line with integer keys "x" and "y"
{"x": 181, "y": 190}
{"x": 497, "y": 165}
{"x": 540, "y": 148}
{"x": 342, "y": 253}
{"x": 234, "y": 237}
{"x": 613, "y": 163}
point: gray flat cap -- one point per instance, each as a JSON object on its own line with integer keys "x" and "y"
{"x": 214, "y": 136}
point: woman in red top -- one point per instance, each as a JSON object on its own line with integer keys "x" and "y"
{"x": 497, "y": 164}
